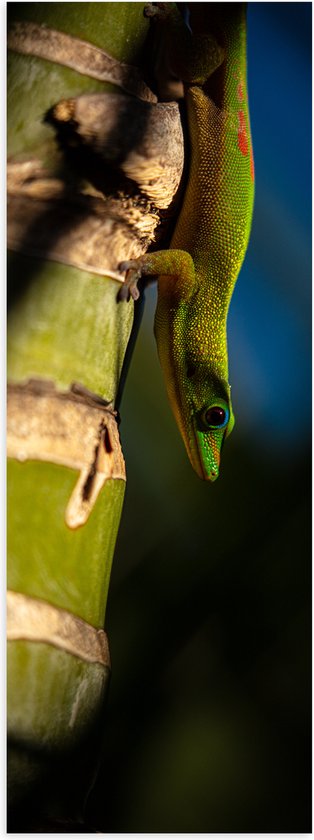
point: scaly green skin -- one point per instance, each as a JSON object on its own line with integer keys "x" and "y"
{"x": 213, "y": 229}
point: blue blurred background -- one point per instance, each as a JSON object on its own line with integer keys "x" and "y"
{"x": 270, "y": 317}
{"x": 208, "y": 723}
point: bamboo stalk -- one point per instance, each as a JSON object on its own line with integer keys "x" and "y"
{"x": 64, "y": 326}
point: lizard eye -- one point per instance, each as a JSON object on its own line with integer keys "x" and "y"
{"x": 215, "y": 417}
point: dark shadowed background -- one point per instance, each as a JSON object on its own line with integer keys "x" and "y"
{"x": 207, "y": 727}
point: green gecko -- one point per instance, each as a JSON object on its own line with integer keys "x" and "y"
{"x": 197, "y": 275}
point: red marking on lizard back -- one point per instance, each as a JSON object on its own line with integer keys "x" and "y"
{"x": 240, "y": 92}
{"x": 242, "y": 134}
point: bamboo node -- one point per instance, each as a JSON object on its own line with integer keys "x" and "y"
{"x": 74, "y": 428}
{"x": 33, "y": 620}
{"x": 52, "y": 45}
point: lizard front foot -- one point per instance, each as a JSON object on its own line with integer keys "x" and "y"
{"x": 133, "y": 275}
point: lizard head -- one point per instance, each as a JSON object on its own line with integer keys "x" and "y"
{"x": 200, "y": 399}
{"x": 193, "y": 357}
{"x": 206, "y": 419}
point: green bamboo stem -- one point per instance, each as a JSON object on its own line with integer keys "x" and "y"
{"x": 64, "y": 325}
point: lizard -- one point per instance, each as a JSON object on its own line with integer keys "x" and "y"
{"x": 197, "y": 274}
